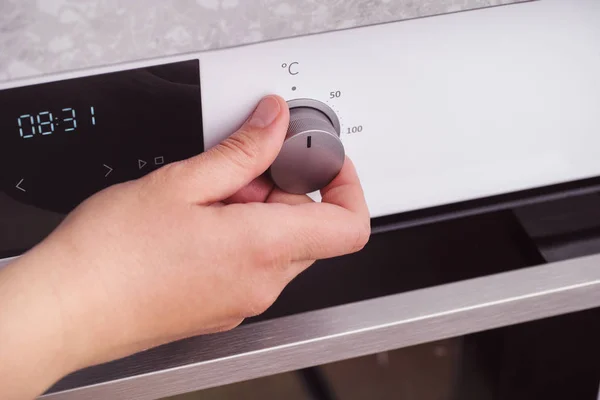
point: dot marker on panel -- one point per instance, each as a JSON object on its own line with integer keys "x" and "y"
{"x": 294, "y": 88}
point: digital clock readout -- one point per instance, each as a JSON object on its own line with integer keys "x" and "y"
{"x": 46, "y": 123}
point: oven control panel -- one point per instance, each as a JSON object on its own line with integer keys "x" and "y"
{"x": 432, "y": 111}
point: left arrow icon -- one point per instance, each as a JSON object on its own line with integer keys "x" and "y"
{"x": 18, "y": 185}
{"x": 108, "y": 170}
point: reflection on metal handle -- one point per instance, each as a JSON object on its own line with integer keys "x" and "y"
{"x": 343, "y": 332}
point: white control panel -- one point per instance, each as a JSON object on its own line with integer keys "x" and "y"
{"x": 436, "y": 110}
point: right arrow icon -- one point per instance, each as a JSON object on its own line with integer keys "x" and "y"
{"x": 141, "y": 164}
{"x": 108, "y": 170}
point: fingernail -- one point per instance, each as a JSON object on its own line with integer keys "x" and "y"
{"x": 267, "y": 110}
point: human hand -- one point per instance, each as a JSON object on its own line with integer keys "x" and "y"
{"x": 192, "y": 248}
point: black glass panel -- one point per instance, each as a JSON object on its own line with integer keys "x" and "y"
{"x": 61, "y": 142}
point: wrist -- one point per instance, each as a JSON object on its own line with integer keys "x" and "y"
{"x": 32, "y": 331}
{"x": 62, "y": 286}
{"x": 86, "y": 329}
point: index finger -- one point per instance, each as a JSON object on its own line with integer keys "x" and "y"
{"x": 338, "y": 225}
{"x": 346, "y": 191}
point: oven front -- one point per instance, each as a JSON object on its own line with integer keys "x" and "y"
{"x": 476, "y": 138}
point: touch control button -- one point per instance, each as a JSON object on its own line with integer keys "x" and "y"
{"x": 312, "y": 154}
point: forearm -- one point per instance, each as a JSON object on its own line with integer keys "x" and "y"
{"x": 32, "y": 335}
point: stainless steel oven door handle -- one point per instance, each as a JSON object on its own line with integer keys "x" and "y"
{"x": 351, "y": 330}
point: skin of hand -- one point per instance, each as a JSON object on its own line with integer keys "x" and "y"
{"x": 192, "y": 248}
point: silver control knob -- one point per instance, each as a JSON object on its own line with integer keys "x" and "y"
{"x": 312, "y": 154}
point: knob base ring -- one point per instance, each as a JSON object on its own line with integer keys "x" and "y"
{"x": 320, "y": 106}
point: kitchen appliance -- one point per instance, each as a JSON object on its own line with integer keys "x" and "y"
{"x": 445, "y": 117}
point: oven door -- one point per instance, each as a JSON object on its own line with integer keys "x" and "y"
{"x": 497, "y": 305}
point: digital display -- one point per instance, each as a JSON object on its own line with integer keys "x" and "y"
{"x": 61, "y": 142}
{"x": 47, "y": 123}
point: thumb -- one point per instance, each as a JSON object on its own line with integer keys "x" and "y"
{"x": 232, "y": 164}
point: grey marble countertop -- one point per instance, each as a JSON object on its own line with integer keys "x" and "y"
{"x": 45, "y": 36}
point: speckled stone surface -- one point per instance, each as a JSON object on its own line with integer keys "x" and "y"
{"x": 45, "y": 36}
